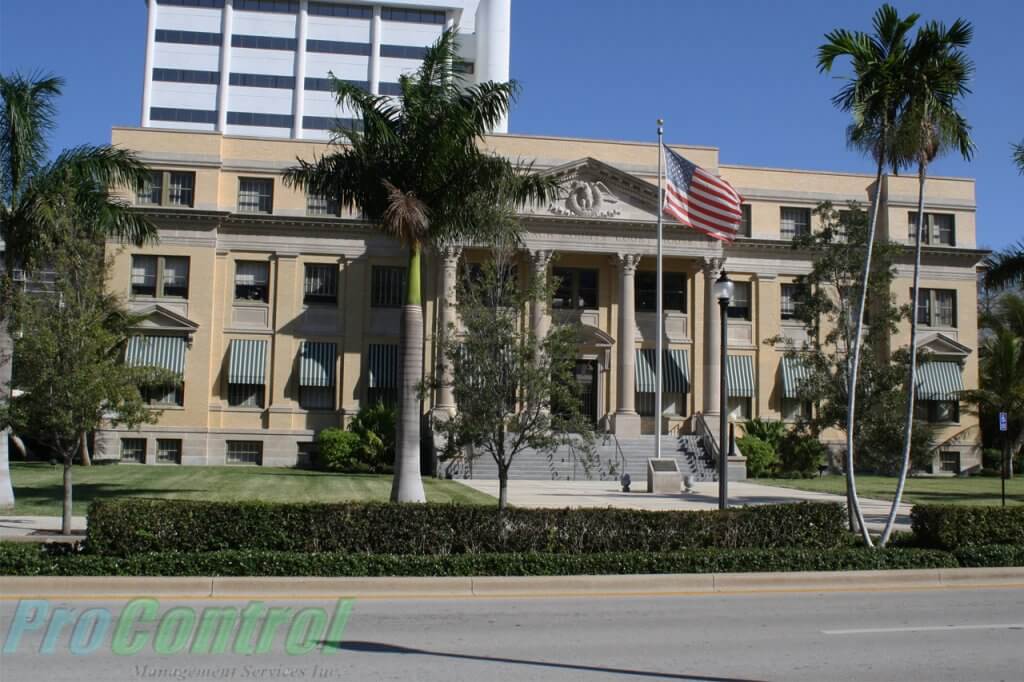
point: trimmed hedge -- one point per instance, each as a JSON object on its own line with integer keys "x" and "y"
{"x": 954, "y": 527}
{"x": 990, "y": 555}
{"x": 19, "y": 559}
{"x": 132, "y": 526}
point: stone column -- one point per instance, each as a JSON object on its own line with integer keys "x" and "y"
{"x": 540, "y": 318}
{"x": 712, "y": 339}
{"x": 445, "y": 406}
{"x": 627, "y": 421}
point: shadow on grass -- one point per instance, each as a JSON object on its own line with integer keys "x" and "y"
{"x": 51, "y": 496}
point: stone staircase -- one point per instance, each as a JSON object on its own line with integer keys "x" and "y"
{"x": 610, "y": 463}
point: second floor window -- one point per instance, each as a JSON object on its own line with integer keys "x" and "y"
{"x": 160, "y": 276}
{"x": 745, "y": 221}
{"x": 938, "y": 228}
{"x": 936, "y": 307}
{"x": 577, "y": 289}
{"x": 673, "y": 294}
{"x": 387, "y": 287}
{"x": 318, "y": 205}
{"x": 255, "y": 195}
{"x": 320, "y": 284}
{"x": 252, "y": 281}
{"x": 794, "y": 222}
{"x": 168, "y": 188}
{"x": 739, "y": 306}
{"x": 792, "y": 296}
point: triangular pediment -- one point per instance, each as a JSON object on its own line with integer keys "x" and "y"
{"x": 941, "y": 345}
{"x": 593, "y": 189}
{"x": 156, "y": 318}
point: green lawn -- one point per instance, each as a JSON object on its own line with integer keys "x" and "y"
{"x": 923, "y": 490}
{"x": 38, "y": 488}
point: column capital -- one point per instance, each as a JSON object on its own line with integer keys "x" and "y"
{"x": 712, "y": 266}
{"x": 541, "y": 258}
{"x": 450, "y": 255}
{"x": 627, "y": 262}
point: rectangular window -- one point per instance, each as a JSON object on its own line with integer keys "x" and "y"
{"x": 949, "y": 461}
{"x": 186, "y": 76}
{"x": 187, "y": 37}
{"x": 672, "y": 404}
{"x": 244, "y": 452}
{"x": 414, "y": 16}
{"x": 792, "y": 297}
{"x": 938, "y": 228}
{"x": 172, "y": 394}
{"x": 745, "y": 221}
{"x": 168, "y": 451}
{"x": 739, "y": 408}
{"x": 325, "y": 85}
{"x": 255, "y": 195}
{"x": 403, "y": 51}
{"x": 183, "y": 115}
{"x": 320, "y": 284}
{"x": 281, "y": 6}
{"x": 577, "y": 289}
{"x": 214, "y": 4}
{"x": 338, "y": 47}
{"x": 260, "y": 119}
{"x": 673, "y": 294}
{"x": 173, "y": 280}
{"x": 258, "y": 80}
{"x": 317, "y": 205}
{"x": 327, "y": 9}
{"x": 252, "y": 281}
{"x": 167, "y": 188}
{"x": 133, "y": 450}
{"x": 795, "y": 222}
{"x": 460, "y": 66}
{"x": 144, "y": 275}
{"x": 329, "y": 123}
{"x": 316, "y": 397}
{"x": 387, "y": 287}
{"x": 245, "y": 395}
{"x": 181, "y": 188}
{"x": 739, "y": 306}
{"x": 794, "y": 409}
{"x": 392, "y": 89}
{"x": 936, "y": 307}
{"x": 150, "y": 193}
{"x": 937, "y": 411}
{"x": 263, "y": 42}
{"x": 175, "y": 277}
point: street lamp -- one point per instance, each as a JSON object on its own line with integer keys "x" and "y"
{"x": 723, "y": 291}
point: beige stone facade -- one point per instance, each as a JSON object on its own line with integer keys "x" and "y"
{"x": 600, "y": 236}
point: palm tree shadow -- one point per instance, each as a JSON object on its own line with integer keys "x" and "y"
{"x": 384, "y": 648}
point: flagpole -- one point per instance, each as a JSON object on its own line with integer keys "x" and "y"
{"x": 658, "y": 352}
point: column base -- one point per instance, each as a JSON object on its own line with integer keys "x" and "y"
{"x": 627, "y": 424}
{"x": 737, "y": 468}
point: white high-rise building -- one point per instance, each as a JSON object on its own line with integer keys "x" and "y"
{"x": 260, "y": 67}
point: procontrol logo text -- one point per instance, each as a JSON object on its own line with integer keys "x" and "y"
{"x": 143, "y": 626}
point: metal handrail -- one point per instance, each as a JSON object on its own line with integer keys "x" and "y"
{"x": 706, "y": 435}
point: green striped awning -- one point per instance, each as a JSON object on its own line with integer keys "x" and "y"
{"x": 383, "y": 365}
{"x": 794, "y": 374}
{"x": 248, "y": 362}
{"x": 740, "y": 375}
{"x": 316, "y": 363}
{"x": 675, "y": 365}
{"x": 167, "y": 352}
{"x": 939, "y": 381}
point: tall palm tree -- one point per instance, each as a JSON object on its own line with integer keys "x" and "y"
{"x": 1002, "y": 377}
{"x": 1005, "y": 268}
{"x": 937, "y": 74}
{"x": 415, "y": 168}
{"x": 874, "y": 95}
{"x": 37, "y": 196}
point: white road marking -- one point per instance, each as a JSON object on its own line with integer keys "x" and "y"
{"x": 926, "y": 628}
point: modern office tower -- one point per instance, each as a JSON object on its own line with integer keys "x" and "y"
{"x": 261, "y": 67}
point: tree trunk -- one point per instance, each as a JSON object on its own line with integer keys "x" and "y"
{"x": 83, "y": 449}
{"x": 851, "y": 480}
{"x": 65, "y": 523}
{"x": 407, "y": 485}
{"x": 6, "y": 356}
{"x": 908, "y": 427}
{"x": 502, "y": 488}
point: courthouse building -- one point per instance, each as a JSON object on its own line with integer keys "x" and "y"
{"x": 280, "y": 311}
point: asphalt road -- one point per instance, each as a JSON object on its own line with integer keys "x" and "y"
{"x": 931, "y": 636}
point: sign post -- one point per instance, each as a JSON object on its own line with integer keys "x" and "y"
{"x": 1006, "y": 452}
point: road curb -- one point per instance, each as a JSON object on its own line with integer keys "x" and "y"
{"x": 85, "y": 588}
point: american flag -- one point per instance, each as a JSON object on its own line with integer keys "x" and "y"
{"x": 701, "y": 200}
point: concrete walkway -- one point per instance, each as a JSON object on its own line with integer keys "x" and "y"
{"x": 561, "y": 494}
{"x": 41, "y": 528}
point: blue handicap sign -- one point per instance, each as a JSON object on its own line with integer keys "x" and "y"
{"x": 1002, "y": 421}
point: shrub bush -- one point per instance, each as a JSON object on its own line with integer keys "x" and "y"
{"x": 34, "y": 560}
{"x": 130, "y": 526}
{"x": 801, "y": 455}
{"x": 990, "y": 555}
{"x": 771, "y": 431}
{"x": 956, "y": 527}
{"x": 762, "y": 459}
{"x": 375, "y": 426}
{"x": 338, "y": 450}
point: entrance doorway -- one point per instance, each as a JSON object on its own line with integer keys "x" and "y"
{"x": 585, "y": 374}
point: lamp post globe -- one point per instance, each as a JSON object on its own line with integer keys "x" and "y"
{"x": 724, "y": 288}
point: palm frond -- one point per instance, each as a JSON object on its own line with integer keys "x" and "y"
{"x": 1018, "y": 156}
{"x": 27, "y": 116}
{"x": 1005, "y": 268}
{"x": 406, "y": 217}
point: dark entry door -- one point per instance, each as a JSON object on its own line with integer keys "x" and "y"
{"x": 586, "y": 378}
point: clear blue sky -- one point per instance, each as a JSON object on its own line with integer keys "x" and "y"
{"x": 739, "y": 75}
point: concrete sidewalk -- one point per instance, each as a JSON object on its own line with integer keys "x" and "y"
{"x": 561, "y": 494}
{"x": 40, "y": 528}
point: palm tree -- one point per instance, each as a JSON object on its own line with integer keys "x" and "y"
{"x": 937, "y": 71}
{"x": 1002, "y": 377}
{"x": 874, "y": 96}
{"x": 37, "y": 196}
{"x": 1018, "y": 157}
{"x": 1005, "y": 268}
{"x": 414, "y": 168}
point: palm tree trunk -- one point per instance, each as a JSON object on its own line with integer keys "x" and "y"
{"x": 851, "y": 480}
{"x": 6, "y": 356}
{"x": 908, "y": 428}
{"x": 407, "y": 485}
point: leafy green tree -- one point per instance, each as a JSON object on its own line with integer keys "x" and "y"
{"x": 414, "y": 167}
{"x": 762, "y": 458}
{"x": 37, "y": 195}
{"x": 874, "y": 95}
{"x": 69, "y": 350}
{"x": 514, "y": 391}
{"x": 929, "y": 123}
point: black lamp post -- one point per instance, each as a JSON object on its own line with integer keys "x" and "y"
{"x": 723, "y": 290}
